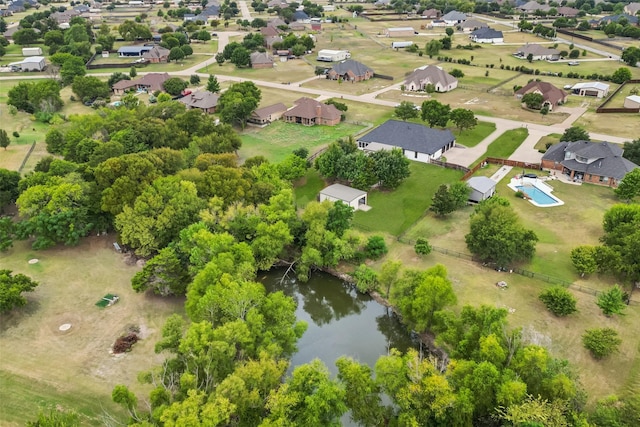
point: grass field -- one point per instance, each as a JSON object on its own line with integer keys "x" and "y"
{"x": 623, "y": 125}
{"x": 618, "y": 99}
{"x": 505, "y": 144}
{"x": 290, "y": 71}
{"x": 279, "y": 139}
{"x": 308, "y": 188}
{"x": 472, "y": 137}
{"x": 552, "y": 138}
{"x": 395, "y": 211}
{"x": 74, "y": 369}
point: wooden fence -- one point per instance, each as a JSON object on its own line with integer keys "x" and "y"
{"x": 602, "y": 108}
{"x": 503, "y": 162}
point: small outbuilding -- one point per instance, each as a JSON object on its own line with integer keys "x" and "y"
{"x": 30, "y": 63}
{"x": 632, "y": 101}
{"x": 481, "y": 188}
{"x": 348, "y": 195}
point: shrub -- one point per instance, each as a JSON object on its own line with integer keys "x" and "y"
{"x": 366, "y": 278}
{"x": 601, "y": 342}
{"x": 612, "y": 301}
{"x": 376, "y": 247}
{"x": 519, "y": 194}
{"x": 422, "y": 246}
{"x": 16, "y": 134}
{"x": 559, "y": 301}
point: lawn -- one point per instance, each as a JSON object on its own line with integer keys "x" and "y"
{"x": 618, "y": 99}
{"x": 623, "y": 125}
{"x": 75, "y": 369}
{"x": 552, "y": 138}
{"x": 505, "y": 144}
{"x": 279, "y": 139}
{"x": 395, "y": 211}
{"x": 472, "y": 137}
{"x": 308, "y": 187}
{"x": 284, "y": 72}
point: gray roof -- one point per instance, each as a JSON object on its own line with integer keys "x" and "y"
{"x": 431, "y": 74}
{"x": 268, "y": 110}
{"x": 610, "y": 162}
{"x": 481, "y": 183}
{"x": 201, "y": 99}
{"x": 134, "y": 49}
{"x": 409, "y": 136}
{"x": 261, "y": 58}
{"x": 536, "y": 49}
{"x": 342, "y": 192}
{"x": 487, "y": 33}
{"x": 615, "y": 18}
{"x": 358, "y": 68}
{"x": 454, "y": 15}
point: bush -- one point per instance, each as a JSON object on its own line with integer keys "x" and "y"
{"x": 559, "y": 301}
{"x": 601, "y": 342}
{"x": 376, "y": 247}
{"x": 612, "y": 301}
{"x": 519, "y": 194}
{"x": 366, "y": 278}
{"x": 422, "y": 246}
{"x": 16, "y": 134}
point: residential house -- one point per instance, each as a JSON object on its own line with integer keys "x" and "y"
{"x": 430, "y": 75}
{"x": 266, "y": 115}
{"x": 597, "y": 89}
{"x": 615, "y": 18}
{"x": 297, "y": 26}
{"x": 310, "y": 112}
{"x": 261, "y": 60}
{"x": 487, "y": 35}
{"x": 632, "y": 101}
{"x": 431, "y": 14}
{"x": 270, "y": 31}
{"x": 537, "y": 52}
{"x": 454, "y": 18}
{"x": 532, "y": 6}
{"x": 567, "y": 12}
{"x": 482, "y": 188}
{"x": 400, "y": 32}
{"x": 65, "y": 16}
{"x": 350, "y": 70}
{"x": 632, "y": 9}
{"x": 133, "y": 51}
{"x": 211, "y": 12}
{"x": 552, "y": 95}
{"x": 4, "y": 13}
{"x": 417, "y": 142}
{"x": 276, "y": 22}
{"x": 282, "y": 4}
{"x": 156, "y": 55}
{"x": 594, "y": 162}
{"x": 471, "y": 25}
{"x": 270, "y": 41}
{"x": 301, "y": 16}
{"x": 189, "y": 17}
{"x": 149, "y": 83}
{"x": 347, "y": 195}
{"x": 438, "y": 23}
{"x": 202, "y": 99}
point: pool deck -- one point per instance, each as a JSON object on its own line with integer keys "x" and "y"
{"x": 537, "y": 183}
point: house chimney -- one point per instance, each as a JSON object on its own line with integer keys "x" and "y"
{"x": 319, "y": 110}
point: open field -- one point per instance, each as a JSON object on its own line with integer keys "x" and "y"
{"x": 395, "y": 211}
{"x": 618, "y": 100}
{"x": 290, "y": 71}
{"x": 623, "y": 125}
{"x": 474, "y": 285}
{"x": 46, "y": 366}
{"x": 279, "y": 139}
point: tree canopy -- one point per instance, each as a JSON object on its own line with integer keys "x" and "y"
{"x": 12, "y": 286}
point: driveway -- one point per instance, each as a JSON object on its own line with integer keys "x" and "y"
{"x": 244, "y": 10}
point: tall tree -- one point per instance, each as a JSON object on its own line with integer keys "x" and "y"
{"x": 406, "y": 110}
{"x": 4, "y": 139}
{"x": 212, "y": 84}
{"x": 238, "y": 102}
{"x": 391, "y": 168}
{"x": 8, "y": 187}
{"x": 12, "y": 286}
{"x": 632, "y": 151}
{"x": 628, "y": 189}
{"x": 575, "y": 133}
{"x": 463, "y": 118}
{"x": 435, "y": 113}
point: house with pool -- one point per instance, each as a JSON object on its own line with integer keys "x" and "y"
{"x": 585, "y": 161}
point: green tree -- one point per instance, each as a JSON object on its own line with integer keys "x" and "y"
{"x": 187, "y": 50}
{"x": 584, "y": 259}
{"x": 55, "y": 418}
{"x": 25, "y": 37}
{"x": 376, "y": 247}
{"x": 174, "y": 86}
{"x": 448, "y": 199}
{"x": 621, "y": 75}
{"x": 406, "y": 110}
{"x": 632, "y": 151}
{"x": 389, "y": 275}
{"x": 630, "y": 55}
{"x": 628, "y": 188}
{"x": 241, "y": 57}
{"x": 463, "y": 119}
{"x": 7, "y": 233}
{"x": 422, "y": 246}
{"x": 435, "y": 113}
{"x": 12, "y": 286}
{"x": 220, "y": 58}
{"x": 71, "y": 68}
{"x": 194, "y": 79}
{"x": 535, "y": 412}
{"x": 212, "y": 84}
{"x": 9, "y": 189}
{"x": 575, "y": 133}
{"x": 238, "y": 102}
{"x": 391, "y": 168}
{"x": 496, "y": 234}
{"x": 558, "y": 300}
{"x": 601, "y": 342}
{"x": 90, "y": 87}
{"x": 362, "y": 392}
{"x": 339, "y": 218}
{"x": 176, "y": 54}
{"x": 133, "y": 72}
{"x": 53, "y": 38}
{"x": 366, "y": 278}
{"x": 612, "y": 301}
{"x": 4, "y": 139}
{"x": 533, "y": 100}
{"x": 449, "y": 31}
{"x": 622, "y": 241}
{"x": 433, "y": 48}
{"x": 420, "y": 294}
{"x": 55, "y": 141}
{"x": 166, "y": 274}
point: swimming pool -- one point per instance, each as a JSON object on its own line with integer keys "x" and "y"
{"x": 538, "y": 196}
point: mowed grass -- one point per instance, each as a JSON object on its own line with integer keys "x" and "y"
{"x": 395, "y": 211}
{"x": 472, "y": 137}
{"x": 75, "y": 367}
{"x": 284, "y": 72}
{"x": 308, "y": 187}
{"x": 279, "y": 139}
{"x": 505, "y": 144}
{"x": 621, "y": 124}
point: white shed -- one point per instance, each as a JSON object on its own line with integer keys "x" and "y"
{"x": 481, "y": 188}
{"x": 31, "y": 63}
{"x": 632, "y": 101}
{"x": 350, "y": 196}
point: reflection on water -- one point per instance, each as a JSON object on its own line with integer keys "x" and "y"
{"x": 341, "y": 321}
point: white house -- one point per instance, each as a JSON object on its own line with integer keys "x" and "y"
{"x": 454, "y": 18}
{"x": 353, "y": 197}
{"x": 597, "y": 89}
{"x": 481, "y": 188}
{"x": 417, "y": 142}
{"x": 486, "y": 35}
{"x": 430, "y": 75}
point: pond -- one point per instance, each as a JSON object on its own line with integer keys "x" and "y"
{"x": 340, "y": 321}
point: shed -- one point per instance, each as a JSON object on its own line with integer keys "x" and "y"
{"x": 350, "y": 196}
{"x": 31, "y": 63}
{"x": 481, "y": 188}
{"x": 400, "y": 32}
{"x": 632, "y": 101}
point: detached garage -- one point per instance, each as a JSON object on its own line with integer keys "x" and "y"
{"x": 481, "y": 188}
{"x": 353, "y": 197}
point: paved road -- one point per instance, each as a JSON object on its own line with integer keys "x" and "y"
{"x": 244, "y": 10}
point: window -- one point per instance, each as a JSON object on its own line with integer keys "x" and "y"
{"x": 582, "y": 159}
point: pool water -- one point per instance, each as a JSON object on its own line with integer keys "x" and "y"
{"x": 538, "y": 196}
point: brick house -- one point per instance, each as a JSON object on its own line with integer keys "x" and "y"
{"x": 350, "y": 70}
{"x": 149, "y": 83}
{"x": 551, "y": 94}
{"x": 261, "y": 60}
{"x": 203, "y": 100}
{"x": 310, "y": 112}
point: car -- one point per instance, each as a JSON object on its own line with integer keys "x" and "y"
{"x": 573, "y": 63}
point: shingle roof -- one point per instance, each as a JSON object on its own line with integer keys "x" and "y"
{"x": 133, "y": 49}
{"x": 299, "y": 15}
{"x": 616, "y": 18}
{"x": 410, "y": 136}
{"x": 536, "y": 49}
{"x": 454, "y": 15}
{"x": 265, "y": 112}
{"x": 431, "y": 74}
{"x": 487, "y": 33}
{"x": 153, "y": 80}
{"x": 567, "y": 11}
{"x": 481, "y": 183}
{"x": 261, "y": 58}
{"x": 342, "y": 192}
{"x": 156, "y": 52}
{"x": 307, "y": 108}
{"x": 357, "y": 68}
{"x": 473, "y": 23}
{"x": 609, "y": 163}
{"x": 201, "y": 99}
{"x": 549, "y": 92}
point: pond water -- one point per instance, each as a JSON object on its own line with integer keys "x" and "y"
{"x": 340, "y": 320}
